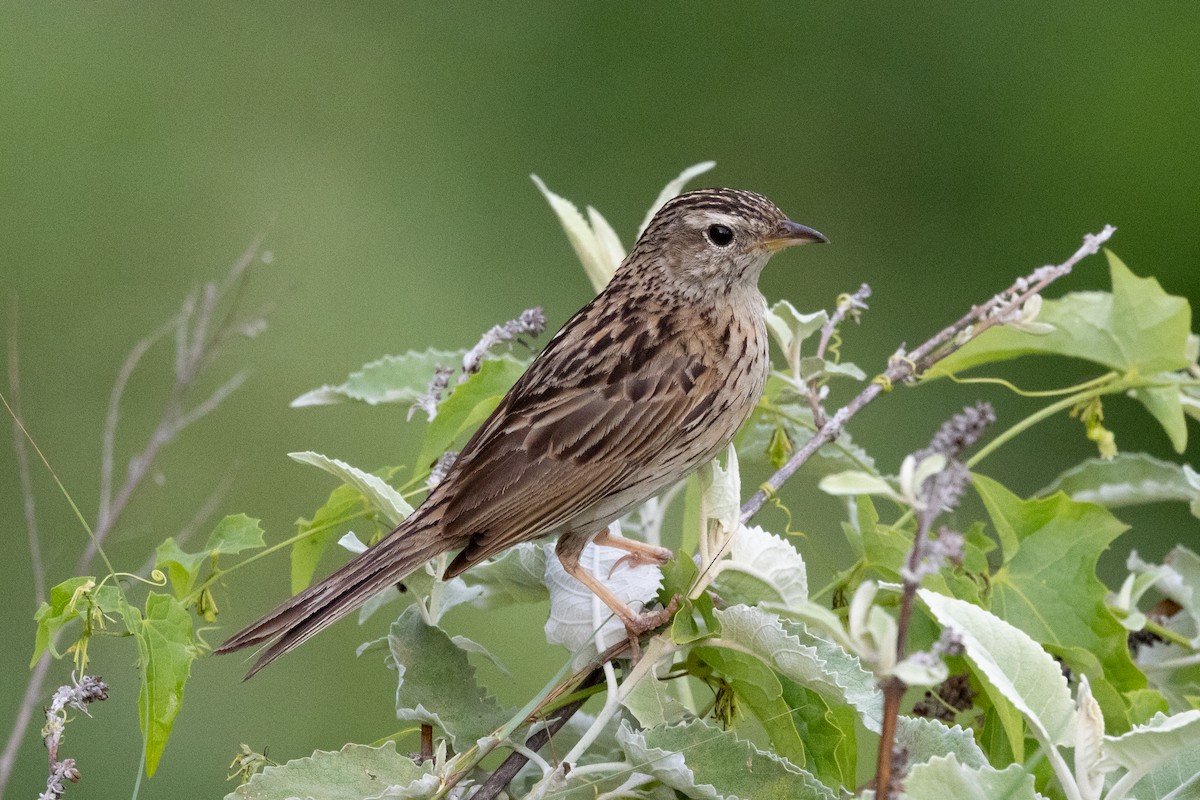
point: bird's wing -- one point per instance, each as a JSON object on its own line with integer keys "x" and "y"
{"x": 568, "y": 435}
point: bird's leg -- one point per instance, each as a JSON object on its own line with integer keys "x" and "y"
{"x": 639, "y": 552}
{"x": 569, "y": 549}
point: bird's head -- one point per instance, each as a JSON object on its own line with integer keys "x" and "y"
{"x": 715, "y": 239}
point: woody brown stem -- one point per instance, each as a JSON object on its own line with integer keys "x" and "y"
{"x": 908, "y": 366}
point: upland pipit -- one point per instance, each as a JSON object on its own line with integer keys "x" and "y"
{"x": 646, "y": 383}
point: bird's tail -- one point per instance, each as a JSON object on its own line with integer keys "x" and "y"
{"x": 390, "y": 561}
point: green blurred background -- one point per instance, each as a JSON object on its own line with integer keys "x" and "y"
{"x": 384, "y": 149}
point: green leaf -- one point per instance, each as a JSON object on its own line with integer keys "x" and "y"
{"x": 1161, "y": 741}
{"x": 943, "y": 777}
{"x": 344, "y": 504}
{"x": 703, "y": 761}
{"x": 1048, "y": 587}
{"x": 925, "y": 739}
{"x": 1014, "y": 663}
{"x": 1129, "y": 479}
{"x": 759, "y": 689}
{"x": 828, "y": 731}
{"x": 182, "y": 567}
{"x": 381, "y": 496}
{"x": 789, "y": 648}
{"x": 234, "y": 534}
{"x": 650, "y": 702}
{"x": 437, "y": 683}
{"x": 391, "y": 379}
{"x": 70, "y": 600}
{"x": 761, "y": 567}
{"x": 1136, "y": 327}
{"x": 1165, "y": 404}
{"x": 356, "y": 772}
{"x": 165, "y": 653}
{"x": 469, "y": 404}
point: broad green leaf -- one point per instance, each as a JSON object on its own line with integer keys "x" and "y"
{"x": 925, "y": 739}
{"x": 391, "y": 379}
{"x": 790, "y": 649}
{"x": 1147, "y": 747}
{"x": 345, "y": 503}
{"x": 885, "y": 549}
{"x": 1150, "y": 326}
{"x": 1136, "y": 327}
{"x": 943, "y": 777}
{"x": 382, "y": 497}
{"x": 356, "y": 772}
{"x": 1048, "y": 587}
{"x": 828, "y": 731}
{"x": 1129, "y": 479}
{"x": 1144, "y": 704}
{"x": 757, "y": 686}
{"x": 702, "y": 761}
{"x": 761, "y": 567}
{"x": 70, "y": 600}
{"x": 650, "y": 702}
{"x": 1176, "y": 778}
{"x": 1014, "y": 663}
{"x": 469, "y": 404}
{"x": 166, "y": 650}
{"x": 1165, "y": 404}
{"x": 437, "y": 683}
{"x": 234, "y": 534}
{"x": 181, "y": 567}
{"x": 518, "y": 575}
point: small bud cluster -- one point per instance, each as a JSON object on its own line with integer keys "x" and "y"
{"x": 946, "y": 546}
{"x": 958, "y": 433}
{"x": 531, "y": 322}
{"x": 440, "y": 469}
{"x": 77, "y": 695}
{"x": 428, "y": 402}
{"x": 944, "y": 703}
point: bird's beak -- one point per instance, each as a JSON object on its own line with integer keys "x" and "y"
{"x": 793, "y": 233}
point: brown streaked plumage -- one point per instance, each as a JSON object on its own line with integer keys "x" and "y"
{"x": 643, "y": 385}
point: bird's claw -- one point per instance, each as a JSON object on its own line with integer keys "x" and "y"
{"x": 644, "y": 623}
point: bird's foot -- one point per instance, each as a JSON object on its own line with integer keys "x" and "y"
{"x": 645, "y": 622}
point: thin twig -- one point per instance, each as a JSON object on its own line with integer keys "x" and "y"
{"x": 907, "y": 366}
{"x": 499, "y": 780}
{"x": 23, "y": 472}
{"x": 193, "y": 354}
{"x": 847, "y": 304}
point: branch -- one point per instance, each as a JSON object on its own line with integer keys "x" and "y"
{"x": 194, "y": 351}
{"x": 516, "y": 761}
{"x": 908, "y": 366}
{"x": 847, "y": 304}
{"x": 26, "y": 477}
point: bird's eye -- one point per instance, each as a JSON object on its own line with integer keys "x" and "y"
{"x": 720, "y": 235}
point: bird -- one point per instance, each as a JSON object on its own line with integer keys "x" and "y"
{"x": 637, "y": 390}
